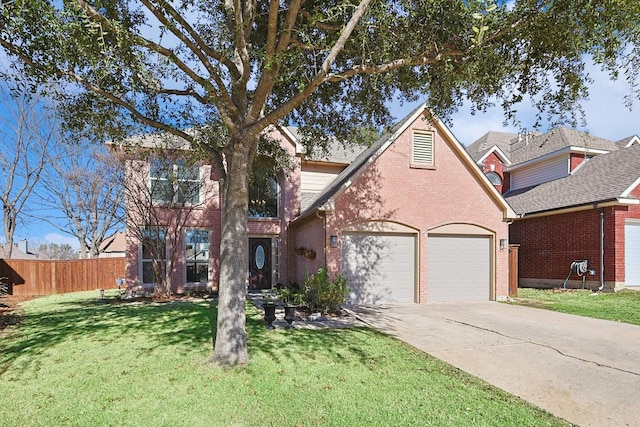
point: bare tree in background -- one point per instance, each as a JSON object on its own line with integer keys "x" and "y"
{"x": 56, "y": 251}
{"x": 165, "y": 190}
{"x": 27, "y": 133}
{"x": 85, "y": 186}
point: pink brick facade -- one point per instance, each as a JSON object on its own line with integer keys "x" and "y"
{"x": 391, "y": 191}
{"x": 203, "y": 217}
{"x": 208, "y": 217}
{"x": 388, "y": 190}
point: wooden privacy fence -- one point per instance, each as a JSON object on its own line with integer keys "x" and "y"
{"x": 30, "y": 277}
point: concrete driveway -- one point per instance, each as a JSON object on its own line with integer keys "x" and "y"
{"x": 584, "y": 370}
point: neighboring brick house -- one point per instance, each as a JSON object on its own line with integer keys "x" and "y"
{"x": 409, "y": 219}
{"x": 577, "y": 197}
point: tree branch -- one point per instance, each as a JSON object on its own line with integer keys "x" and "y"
{"x": 194, "y": 35}
{"x": 321, "y": 76}
{"x": 271, "y": 69}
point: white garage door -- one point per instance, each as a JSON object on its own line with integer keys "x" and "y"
{"x": 458, "y": 268}
{"x": 380, "y": 267}
{"x": 632, "y": 254}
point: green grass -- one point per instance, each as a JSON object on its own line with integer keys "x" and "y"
{"x": 623, "y": 306}
{"x": 77, "y": 361}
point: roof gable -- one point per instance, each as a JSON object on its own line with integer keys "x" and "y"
{"x": 498, "y": 152}
{"x": 528, "y": 147}
{"x": 628, "y": 142}
{"x": 480, "y": 148}
{"x": 324, "y": 200}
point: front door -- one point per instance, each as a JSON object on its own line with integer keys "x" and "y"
{"x": 259, "y": 263}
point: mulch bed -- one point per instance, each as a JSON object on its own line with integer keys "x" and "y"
{"x": 10, "y": 309}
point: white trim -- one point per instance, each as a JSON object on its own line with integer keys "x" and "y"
{"x": 560, "y": 152}
{"x": 423, "y": 147}
{"x": 299, "y": 147}
{"x": 586, "y": 150}
{"x": 509, "y": 213}
{"x": 627, "y": 192}
{"x": 621, "y": 201}
{"x": 186, "y": 261}
{"x": 634, "y": 140}
{"x": 501, "y": 155}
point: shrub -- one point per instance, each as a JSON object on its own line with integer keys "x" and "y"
{"x": 322, "y": 294}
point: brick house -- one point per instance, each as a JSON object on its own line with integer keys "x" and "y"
{"x": 409, "y": 219}
{"x": 577, "y": 197}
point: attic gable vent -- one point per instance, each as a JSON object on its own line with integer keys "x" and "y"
{"x": 422, "y": 149}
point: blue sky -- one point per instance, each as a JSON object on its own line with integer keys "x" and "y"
{"x": 606, "y": 115}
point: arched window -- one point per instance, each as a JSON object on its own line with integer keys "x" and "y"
{"x": 263, "y": 194}
{"x": 494, "y": 178}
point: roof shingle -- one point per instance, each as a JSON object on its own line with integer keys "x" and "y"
{"x": 604, "y": 177}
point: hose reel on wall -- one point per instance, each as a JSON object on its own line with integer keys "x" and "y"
{"x": 579, "y": 267}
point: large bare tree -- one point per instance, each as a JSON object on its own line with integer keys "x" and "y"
{"x": 84, "y": 184}
{"x": 228, "y": 69}
{"x": 28, "y": 133}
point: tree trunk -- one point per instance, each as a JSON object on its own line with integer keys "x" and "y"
{"x": 9, "y": 229}
{"x": 231, "y": 336}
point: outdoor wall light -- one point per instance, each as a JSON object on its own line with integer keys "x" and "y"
{"x": 333, "y": 241}
{"x": 503, "y": 244}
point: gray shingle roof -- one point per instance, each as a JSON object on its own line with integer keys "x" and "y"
{"x": 502, "y": 140}
{"x": 522, "y": 149}
{"x": 336, "y": 151}
{"x": 604, "y": 177}
{"x": 557, "y": 139}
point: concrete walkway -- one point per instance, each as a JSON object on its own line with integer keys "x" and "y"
{"x": 584, "y": 370}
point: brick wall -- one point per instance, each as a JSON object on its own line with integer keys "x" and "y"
{"x": 309, "y": 235}
{"x": 548, "y": 246}
{"x": 421, "y": 199}
{"x": 575, "y": 159}
{"x": 493, "y": 164}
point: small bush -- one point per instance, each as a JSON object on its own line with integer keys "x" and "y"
{"x": 319, "y": 293}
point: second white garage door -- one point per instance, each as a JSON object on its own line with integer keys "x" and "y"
{"x": 380, "y": 267}
{"x": 458, "y": 268}
{"x": 632, "y": 254}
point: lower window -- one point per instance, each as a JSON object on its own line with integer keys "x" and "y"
{"x": 153, "y": 248}
{"x": 197, "y": 255}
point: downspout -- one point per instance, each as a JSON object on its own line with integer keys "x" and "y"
{"x": 601, "y": 247}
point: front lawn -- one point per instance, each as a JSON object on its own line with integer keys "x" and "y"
{"x": 77, "y": 361}
{"x": 623, "y": 306}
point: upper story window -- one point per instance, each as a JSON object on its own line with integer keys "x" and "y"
{"x": 174, "y": 182}
{"x": 494, "y": 178}
{"x": 264, "y": 193}
{"x": 422, "y": 150}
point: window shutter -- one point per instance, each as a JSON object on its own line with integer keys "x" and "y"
{"x": 423, "y": 148}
